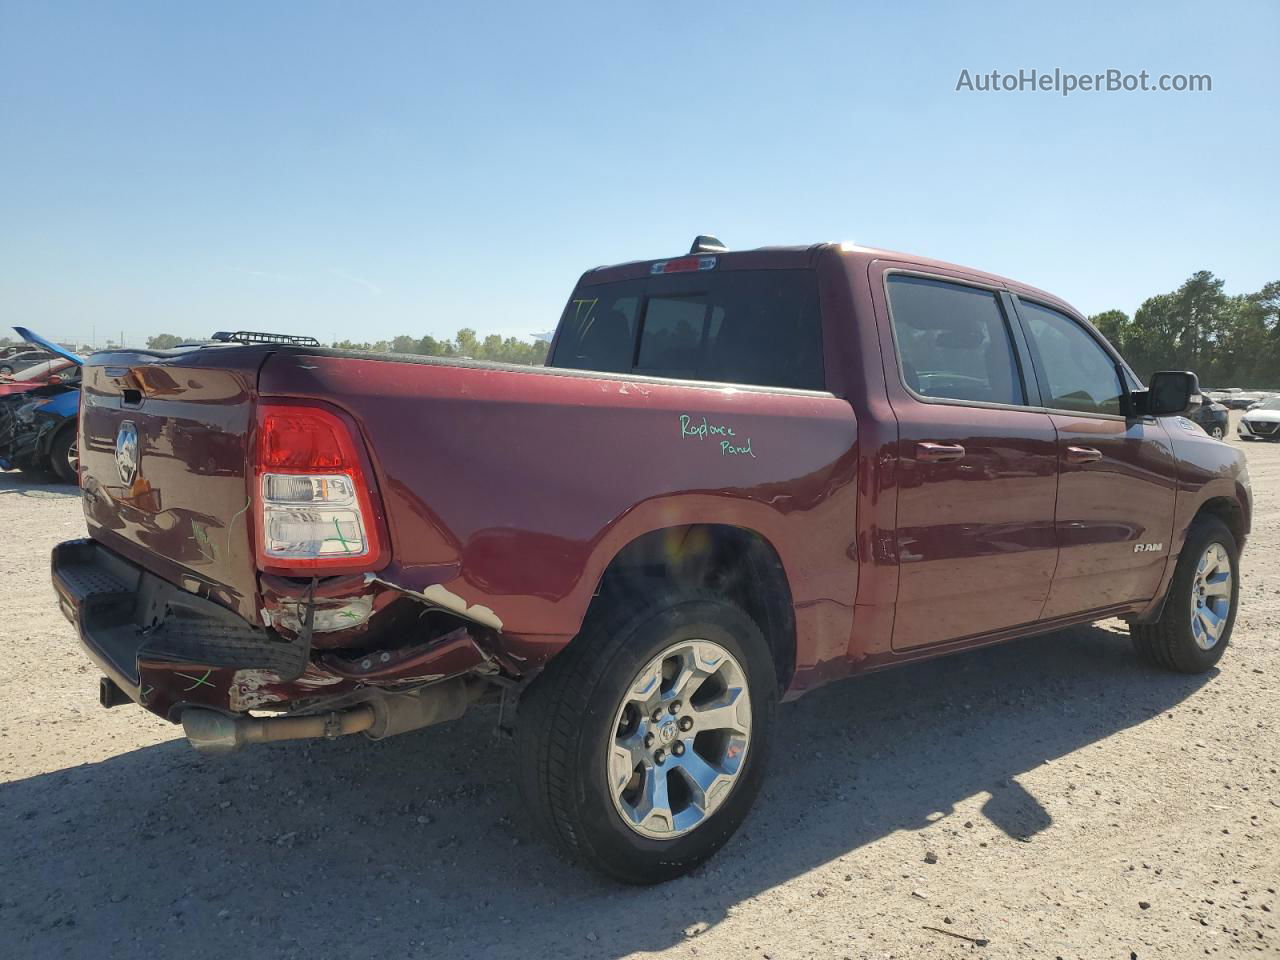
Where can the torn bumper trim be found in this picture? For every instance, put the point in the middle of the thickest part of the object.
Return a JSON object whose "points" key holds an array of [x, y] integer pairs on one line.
{"points": [[437, 596], [170, 650], [454, 653]]}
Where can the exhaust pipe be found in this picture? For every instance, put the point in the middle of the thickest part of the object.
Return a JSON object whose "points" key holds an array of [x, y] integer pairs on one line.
{"points": [[386, 715], [110, 695], [212, 732]]}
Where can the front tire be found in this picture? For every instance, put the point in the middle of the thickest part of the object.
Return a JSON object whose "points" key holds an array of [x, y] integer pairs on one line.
{"points": [[1200, 608], [642, 746], [64, 456]]}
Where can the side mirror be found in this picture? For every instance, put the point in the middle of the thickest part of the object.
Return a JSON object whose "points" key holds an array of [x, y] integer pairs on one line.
{"points": [[1168, 393]]}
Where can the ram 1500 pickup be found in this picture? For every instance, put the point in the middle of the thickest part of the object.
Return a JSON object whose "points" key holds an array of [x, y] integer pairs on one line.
{"points": [[740, 475]]}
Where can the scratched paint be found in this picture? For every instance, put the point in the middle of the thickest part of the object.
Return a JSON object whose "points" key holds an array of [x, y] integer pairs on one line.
{"points": [[250, 689], [313, 677], [439, 596], [451, 601]]}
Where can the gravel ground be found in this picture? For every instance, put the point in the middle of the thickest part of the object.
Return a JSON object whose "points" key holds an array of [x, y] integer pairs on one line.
{"points": [[1048, 798]]}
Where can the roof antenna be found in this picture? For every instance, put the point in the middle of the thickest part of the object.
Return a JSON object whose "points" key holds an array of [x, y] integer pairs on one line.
{"points": [[704, 243]]}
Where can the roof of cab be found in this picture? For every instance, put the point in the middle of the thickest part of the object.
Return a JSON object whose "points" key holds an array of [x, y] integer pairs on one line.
{"points": [[799, 257], [871, 254], [760, 258]]}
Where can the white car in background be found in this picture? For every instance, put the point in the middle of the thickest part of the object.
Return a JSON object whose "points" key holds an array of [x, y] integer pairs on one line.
{"points": [[1261, 421]]}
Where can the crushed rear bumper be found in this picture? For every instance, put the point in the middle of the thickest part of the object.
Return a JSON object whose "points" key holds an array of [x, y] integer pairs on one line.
{"points": [[169, 649], [133, 624]]}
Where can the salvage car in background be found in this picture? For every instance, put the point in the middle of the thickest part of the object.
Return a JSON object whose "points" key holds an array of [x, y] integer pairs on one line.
{"points": [[49, 371], [1261, 422], [1213, 418], [38, 421], [17, 362]]}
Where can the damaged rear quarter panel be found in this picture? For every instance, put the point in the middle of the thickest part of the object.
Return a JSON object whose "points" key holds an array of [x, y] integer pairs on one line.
{"points": [[513, 489], [167, 687]]}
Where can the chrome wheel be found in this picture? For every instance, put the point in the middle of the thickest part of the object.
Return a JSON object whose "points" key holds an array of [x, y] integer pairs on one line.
{"points": [[73, 458], [1211, 596], [1217, 433], [680, 737]]}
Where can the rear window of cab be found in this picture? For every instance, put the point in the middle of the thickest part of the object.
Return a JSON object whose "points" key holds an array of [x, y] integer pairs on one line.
{"points": [[758, 327]]}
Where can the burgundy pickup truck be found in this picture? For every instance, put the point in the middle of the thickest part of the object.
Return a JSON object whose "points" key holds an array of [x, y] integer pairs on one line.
{"points": [[740, 475]]}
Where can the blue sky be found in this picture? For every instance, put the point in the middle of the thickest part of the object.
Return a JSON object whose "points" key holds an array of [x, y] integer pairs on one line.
{"points": [[364, 170]]}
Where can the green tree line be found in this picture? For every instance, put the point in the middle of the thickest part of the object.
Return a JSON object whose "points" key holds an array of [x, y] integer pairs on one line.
{"points": [[466, 343], [1228, 341]]}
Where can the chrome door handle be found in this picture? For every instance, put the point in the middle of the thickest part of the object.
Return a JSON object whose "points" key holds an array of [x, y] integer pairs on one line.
{"points": [[1083, 455], [931, 452]]}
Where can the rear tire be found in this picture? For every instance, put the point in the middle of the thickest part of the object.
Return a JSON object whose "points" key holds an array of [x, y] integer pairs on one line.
{"points": [[611, 754], [1200, 608]]}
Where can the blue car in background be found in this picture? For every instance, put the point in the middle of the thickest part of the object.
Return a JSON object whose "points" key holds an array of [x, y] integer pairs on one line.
{"points": [[38, 426]]}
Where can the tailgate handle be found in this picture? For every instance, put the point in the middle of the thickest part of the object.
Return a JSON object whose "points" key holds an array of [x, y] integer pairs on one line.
{"points": [[1083, 455], [931, 452], [131, 397]]}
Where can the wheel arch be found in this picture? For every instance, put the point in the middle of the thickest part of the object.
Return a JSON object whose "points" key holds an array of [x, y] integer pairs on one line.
{"points": [[70, 424], [736, 562], [1229, 511]]}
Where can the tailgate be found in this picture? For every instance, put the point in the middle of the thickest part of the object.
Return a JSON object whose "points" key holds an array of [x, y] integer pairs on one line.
{"points": [[163, 463]]}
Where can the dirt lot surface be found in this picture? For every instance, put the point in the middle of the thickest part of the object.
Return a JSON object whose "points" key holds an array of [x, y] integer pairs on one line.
{"points": [[1049, 798]]}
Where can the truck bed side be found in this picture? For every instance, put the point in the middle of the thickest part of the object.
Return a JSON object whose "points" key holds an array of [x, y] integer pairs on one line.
{"points": [[514, 489]]}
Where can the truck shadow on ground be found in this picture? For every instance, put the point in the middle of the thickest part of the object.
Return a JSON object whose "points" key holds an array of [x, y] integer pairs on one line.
{"points": [[415, 846]]}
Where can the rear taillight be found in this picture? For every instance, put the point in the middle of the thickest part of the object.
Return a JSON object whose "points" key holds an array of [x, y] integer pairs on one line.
{"points": [[314, 500]]}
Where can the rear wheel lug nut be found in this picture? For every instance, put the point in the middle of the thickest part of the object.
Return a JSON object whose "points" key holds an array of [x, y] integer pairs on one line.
{"points": [[686, 723], [678, 748], [656, 716], [675, 706], [659, 756], [648, 739]]}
